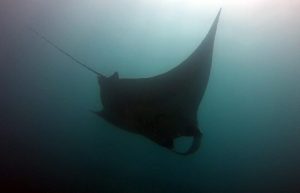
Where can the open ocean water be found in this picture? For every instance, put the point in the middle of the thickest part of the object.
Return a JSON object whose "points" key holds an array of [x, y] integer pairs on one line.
{"points": [[50, 142]]}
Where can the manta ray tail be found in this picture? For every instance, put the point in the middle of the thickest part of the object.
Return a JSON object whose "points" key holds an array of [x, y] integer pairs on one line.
{"points": [[63, 51]]}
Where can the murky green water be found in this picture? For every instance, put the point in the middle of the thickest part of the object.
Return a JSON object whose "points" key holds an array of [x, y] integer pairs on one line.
{"points": [[51, 142]]}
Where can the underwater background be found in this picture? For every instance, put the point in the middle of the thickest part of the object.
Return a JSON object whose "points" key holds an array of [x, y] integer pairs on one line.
{"points": [[250, 115]]}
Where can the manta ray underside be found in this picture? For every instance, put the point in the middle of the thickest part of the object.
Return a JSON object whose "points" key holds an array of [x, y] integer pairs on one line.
{"points": [[161, 108]]}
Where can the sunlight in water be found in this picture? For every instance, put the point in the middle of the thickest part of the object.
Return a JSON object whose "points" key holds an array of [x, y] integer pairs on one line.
{"points": [[237, 5]]}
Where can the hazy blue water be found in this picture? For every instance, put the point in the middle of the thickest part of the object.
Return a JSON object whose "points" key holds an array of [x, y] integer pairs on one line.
{"points": [[50, 142]]}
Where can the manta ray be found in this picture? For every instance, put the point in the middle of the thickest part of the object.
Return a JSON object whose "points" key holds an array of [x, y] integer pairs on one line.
{"points": [[163, 107]]}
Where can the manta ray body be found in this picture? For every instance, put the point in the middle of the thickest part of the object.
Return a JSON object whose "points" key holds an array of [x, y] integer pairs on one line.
{"points": [[164, 107]]}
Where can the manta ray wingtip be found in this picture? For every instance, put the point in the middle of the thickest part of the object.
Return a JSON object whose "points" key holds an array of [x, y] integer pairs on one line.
{"points": [[219, 12]]}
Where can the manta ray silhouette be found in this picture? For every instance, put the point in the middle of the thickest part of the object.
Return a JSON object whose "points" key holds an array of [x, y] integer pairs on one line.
{"points": [[161, 108]]}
